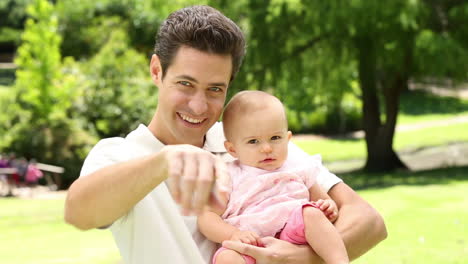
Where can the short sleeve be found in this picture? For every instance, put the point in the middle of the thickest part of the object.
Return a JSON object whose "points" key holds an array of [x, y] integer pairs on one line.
{"points": [[323, 176], [106, 152]]}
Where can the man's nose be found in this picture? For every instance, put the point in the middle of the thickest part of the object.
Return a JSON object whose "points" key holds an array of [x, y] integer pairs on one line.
{"points": [[198, 103]]}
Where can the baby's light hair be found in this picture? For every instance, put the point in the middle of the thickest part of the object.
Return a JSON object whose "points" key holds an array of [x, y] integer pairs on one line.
{"points": [[246, 102]]}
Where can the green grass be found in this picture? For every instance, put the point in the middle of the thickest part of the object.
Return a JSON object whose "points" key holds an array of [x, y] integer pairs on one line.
{"points": [[33, 231], [426, 224], [343, 149]]}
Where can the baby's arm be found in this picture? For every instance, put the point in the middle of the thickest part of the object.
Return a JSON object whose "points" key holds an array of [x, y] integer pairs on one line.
{"points": [[324, 201], [215, 229]]}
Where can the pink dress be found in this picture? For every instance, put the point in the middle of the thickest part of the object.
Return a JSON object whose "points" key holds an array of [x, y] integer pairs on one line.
{"points": [[262, 201]]}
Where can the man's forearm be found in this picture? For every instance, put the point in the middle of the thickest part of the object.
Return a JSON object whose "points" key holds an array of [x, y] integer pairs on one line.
{"points": [[360, 225], [98, 199]]}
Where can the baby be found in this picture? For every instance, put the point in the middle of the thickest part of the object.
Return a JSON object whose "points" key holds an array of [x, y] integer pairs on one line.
{"points": [[271, 192]]}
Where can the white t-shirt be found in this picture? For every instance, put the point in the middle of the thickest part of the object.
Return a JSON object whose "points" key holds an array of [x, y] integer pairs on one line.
{"points": [[154, 231]]}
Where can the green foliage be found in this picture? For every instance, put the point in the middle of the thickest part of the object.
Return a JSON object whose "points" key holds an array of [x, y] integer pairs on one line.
{"points": [[118, 93], [87, 24], [13, 14], [424, 103], [433, 51], [287, 56], [38, 122], [38, 71]]}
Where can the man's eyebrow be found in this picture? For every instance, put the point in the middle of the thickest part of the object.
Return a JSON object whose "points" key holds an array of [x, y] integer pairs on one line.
{"points": [[190, 78], [187, 77]]}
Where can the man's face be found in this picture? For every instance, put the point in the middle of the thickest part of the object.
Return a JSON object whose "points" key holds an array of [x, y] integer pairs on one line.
{"points": [[260, 139], [191, 95]]}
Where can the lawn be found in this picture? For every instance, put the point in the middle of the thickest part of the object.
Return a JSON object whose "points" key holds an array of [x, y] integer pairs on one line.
{"points": [[33, 231], [425, 213], [426, 224]]}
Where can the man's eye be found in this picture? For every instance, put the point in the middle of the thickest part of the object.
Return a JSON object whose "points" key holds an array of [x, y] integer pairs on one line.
{"points": [[252, 141], [184, 83], [215, 89], [275, 138]]}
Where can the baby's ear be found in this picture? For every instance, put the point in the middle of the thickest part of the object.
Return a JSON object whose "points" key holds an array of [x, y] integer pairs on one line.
{"points": [[289, 135], [230, 148]]}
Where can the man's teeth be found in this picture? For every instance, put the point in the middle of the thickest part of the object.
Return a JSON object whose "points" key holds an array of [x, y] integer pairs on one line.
{"points": [[191, 120]]}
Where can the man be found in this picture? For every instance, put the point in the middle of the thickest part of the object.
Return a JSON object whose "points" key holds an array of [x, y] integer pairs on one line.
{"points": [[198, 53]]}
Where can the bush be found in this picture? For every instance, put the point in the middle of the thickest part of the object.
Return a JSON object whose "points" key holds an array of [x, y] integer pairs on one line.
{"points": [[327, 119], [118, 92]]}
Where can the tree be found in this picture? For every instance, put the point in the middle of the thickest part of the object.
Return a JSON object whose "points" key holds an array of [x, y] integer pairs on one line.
{"points": [[280, 59], [40, 121], [386, 43], [39, 63], [85, 24], [389, 39]]}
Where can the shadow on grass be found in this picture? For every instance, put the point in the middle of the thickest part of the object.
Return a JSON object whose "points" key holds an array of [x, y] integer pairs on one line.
{"points": [[422, 103], [360, 180]]}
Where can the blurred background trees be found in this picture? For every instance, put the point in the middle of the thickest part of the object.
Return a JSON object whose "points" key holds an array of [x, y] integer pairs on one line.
{"points": [[339, 66]]}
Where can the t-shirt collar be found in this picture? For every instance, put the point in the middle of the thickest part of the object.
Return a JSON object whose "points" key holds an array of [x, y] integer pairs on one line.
{"points": [[214, 139]]}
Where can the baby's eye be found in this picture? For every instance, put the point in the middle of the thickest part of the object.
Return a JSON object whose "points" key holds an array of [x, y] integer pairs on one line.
{"points": [[252, 141], [275, 137]]}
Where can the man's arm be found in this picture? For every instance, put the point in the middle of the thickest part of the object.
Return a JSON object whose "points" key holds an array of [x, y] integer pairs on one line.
{"points": [[98, 199], [107, 194], [360, 226]]}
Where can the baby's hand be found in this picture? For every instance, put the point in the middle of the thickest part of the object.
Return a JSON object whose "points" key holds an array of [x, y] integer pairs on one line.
{"points": [[247, 237], [329, 208]]}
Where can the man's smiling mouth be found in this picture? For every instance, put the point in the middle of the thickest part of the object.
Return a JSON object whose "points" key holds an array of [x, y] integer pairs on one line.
{"points": [[189, 119]]}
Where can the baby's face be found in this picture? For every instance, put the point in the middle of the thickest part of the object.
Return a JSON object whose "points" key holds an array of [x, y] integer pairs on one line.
{"points": [[261, 139]]}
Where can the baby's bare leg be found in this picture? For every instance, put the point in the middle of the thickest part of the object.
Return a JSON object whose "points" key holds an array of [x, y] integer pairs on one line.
{"points": [[229, 256], [323, 237]]}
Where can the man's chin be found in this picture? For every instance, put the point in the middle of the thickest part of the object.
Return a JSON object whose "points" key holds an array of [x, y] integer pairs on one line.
{"points": [[193, 136]]}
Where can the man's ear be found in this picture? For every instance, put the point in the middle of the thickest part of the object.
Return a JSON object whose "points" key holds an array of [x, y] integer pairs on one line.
{"points": [[289, 135], [230, 148], [156, 70]]}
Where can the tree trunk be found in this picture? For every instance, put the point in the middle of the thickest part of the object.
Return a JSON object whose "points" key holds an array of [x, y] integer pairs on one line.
{"points": [[378, 136]]}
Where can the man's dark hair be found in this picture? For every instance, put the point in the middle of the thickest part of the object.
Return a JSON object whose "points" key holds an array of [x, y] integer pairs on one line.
{"points": [[203, 28]]}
